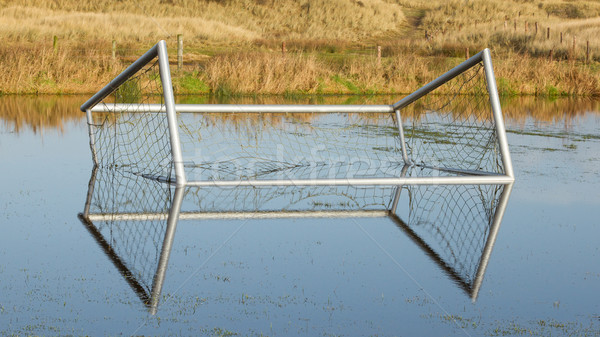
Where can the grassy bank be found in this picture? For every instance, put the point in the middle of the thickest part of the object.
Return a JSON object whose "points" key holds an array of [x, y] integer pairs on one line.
{"points": [[234, 46]]}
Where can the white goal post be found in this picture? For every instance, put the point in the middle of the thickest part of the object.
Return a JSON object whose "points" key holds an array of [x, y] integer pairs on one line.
{"points": [[455, 138]]}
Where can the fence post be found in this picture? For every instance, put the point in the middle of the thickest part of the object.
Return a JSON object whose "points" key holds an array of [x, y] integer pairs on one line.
{"points": [[55, 43], [114, 50], [179, 51], [283, 48], [574, 42], [561, 36], [587, 51], [548, 33], [467, 52], [378, 55]]}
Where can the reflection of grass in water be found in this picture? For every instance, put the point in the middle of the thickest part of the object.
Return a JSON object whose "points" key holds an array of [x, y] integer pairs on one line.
{"points": [[386, 149], [577, 137]]}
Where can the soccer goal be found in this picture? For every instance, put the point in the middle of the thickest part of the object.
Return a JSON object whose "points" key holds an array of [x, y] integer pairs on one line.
{"points": [[457, 137]]}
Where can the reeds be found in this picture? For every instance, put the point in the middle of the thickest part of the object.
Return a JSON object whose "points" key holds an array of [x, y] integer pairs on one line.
{"points": [[39, 68], [235, 46]]}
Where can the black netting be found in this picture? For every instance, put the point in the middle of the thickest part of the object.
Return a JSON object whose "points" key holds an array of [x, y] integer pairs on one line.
{"points": [[456, 129], [246, 146], [289, 198], [132, 138]]}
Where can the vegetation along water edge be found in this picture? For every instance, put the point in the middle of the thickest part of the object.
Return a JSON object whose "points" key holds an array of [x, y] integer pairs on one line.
{"points": [[249, 47]]}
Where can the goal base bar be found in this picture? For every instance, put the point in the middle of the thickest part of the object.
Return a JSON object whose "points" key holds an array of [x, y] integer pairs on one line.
{"points": [[462, 180]]}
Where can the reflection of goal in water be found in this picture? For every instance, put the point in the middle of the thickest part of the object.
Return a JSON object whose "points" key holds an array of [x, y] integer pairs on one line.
{"points": [[447, 154], [134, 219]]}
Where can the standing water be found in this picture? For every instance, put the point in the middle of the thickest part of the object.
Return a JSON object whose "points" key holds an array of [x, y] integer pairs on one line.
{"points": [[298, 276]]}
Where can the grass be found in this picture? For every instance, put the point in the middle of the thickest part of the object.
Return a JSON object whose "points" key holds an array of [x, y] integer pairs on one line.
{"points": [[233, 47]]}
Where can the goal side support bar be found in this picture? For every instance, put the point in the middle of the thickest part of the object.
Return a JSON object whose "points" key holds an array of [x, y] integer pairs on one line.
{"points": [[158, 50], [484, 57]]}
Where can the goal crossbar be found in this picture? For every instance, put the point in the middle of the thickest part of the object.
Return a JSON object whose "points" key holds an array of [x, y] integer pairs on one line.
{"points": [[253, 108]]}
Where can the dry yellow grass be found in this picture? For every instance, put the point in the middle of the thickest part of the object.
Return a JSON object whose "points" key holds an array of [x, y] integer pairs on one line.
{"points": [[510, 25], [37, 68], [233, 20], [232, 45]]}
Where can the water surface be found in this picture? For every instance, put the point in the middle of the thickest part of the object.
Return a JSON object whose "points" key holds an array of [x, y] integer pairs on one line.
{"points": [[300, 276]]}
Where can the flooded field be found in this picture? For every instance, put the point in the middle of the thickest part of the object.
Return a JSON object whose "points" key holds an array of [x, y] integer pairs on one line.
{"points": [[343, 275]]}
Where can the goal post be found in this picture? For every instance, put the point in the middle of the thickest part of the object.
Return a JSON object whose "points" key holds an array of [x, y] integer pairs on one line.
{"points": [[456, 136], [157, 53], [484, 59]]}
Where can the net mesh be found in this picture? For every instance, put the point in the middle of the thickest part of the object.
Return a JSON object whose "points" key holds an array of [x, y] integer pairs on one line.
{"points": [[123, 210], [453, 223], [455, 130], [288, 199], [134, 139], [246, 146]]}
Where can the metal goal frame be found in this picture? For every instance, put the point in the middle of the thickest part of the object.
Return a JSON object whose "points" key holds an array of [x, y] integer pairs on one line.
{"points": [[181, 179]]}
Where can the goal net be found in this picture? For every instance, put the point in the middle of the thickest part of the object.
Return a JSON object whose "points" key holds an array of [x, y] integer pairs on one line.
{"points": [[457, 136]]}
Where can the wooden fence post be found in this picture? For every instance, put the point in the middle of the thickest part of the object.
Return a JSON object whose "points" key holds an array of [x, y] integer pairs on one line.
{"points": [[587, 51], [548, 33], [574, 43], [467, 52], [179, 51], [561, 36], [55, 43]]}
